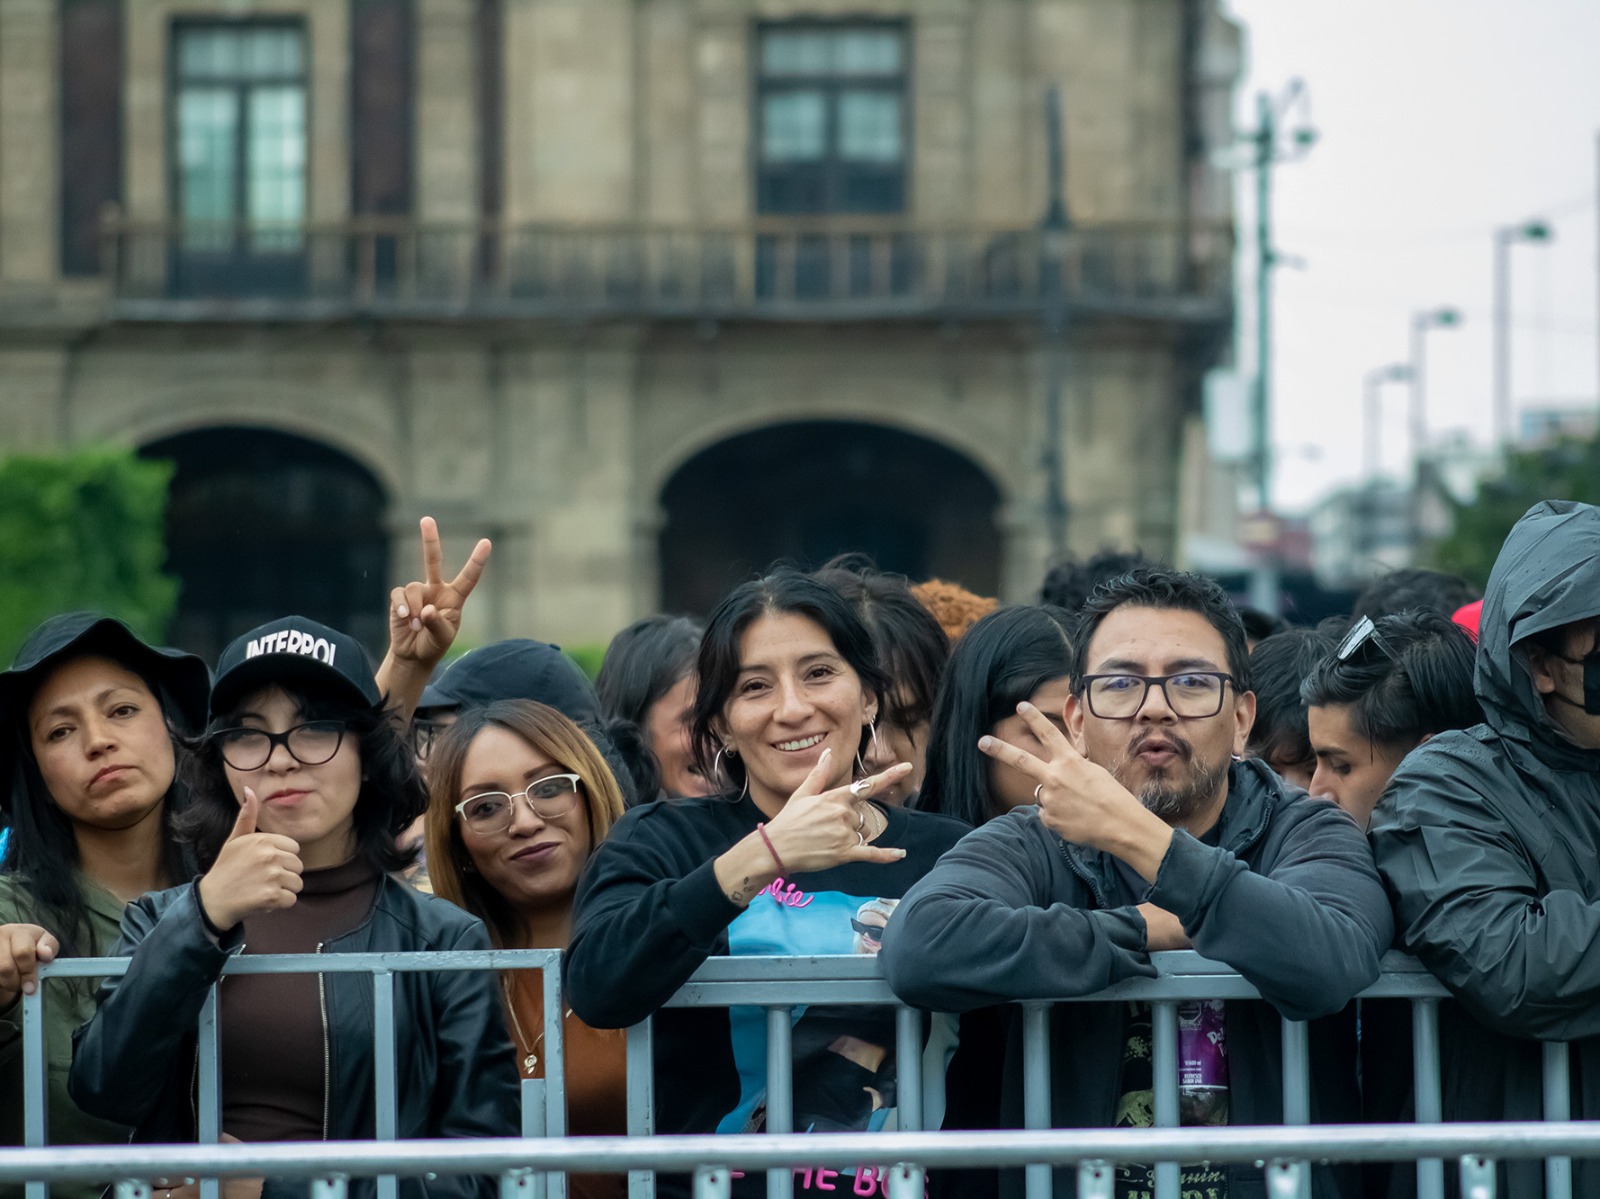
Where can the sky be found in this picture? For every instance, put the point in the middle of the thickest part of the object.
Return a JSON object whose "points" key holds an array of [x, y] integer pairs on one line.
{"points": [[1438, 121]]}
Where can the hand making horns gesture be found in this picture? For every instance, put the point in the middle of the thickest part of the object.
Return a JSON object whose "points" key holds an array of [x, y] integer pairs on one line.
{"points": [[821, 828], [424, 617]]}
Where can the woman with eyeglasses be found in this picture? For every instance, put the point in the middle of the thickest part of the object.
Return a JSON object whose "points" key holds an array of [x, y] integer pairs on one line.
{"points": [[793, 854], [1390, 685], [300, 785], [519, 798]]}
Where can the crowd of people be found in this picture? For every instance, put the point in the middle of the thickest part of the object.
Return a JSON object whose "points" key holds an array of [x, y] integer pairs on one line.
{"points": [[1002, 802]]}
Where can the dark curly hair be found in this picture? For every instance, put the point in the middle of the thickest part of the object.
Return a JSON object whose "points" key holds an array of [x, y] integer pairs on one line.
{"points": [[392, 794], [1176, 590]]}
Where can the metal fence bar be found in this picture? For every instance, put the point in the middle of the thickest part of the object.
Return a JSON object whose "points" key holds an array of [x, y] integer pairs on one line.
{"points": [[1096, 1180], [641, 1076], [1557, 1109], [780, 1092], [1297, 1094], [533, 1125], [383, 1067], [1521, 1141], [1036, 1113], [1164, 1072], [35, 1088], [331, 1187], [1427, 1091], [908, 1067], [1478, 1179], [208, 1101], [555, 1070]]}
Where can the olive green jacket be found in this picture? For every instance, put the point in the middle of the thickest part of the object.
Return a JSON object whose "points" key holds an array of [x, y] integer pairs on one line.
{"points": [[67, 1004]]}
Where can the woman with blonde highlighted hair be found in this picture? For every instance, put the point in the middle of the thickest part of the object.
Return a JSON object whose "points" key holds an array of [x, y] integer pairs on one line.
{"points": [[519, 798]]}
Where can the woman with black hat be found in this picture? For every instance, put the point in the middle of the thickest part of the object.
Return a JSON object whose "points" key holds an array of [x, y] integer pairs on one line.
{"points": [[87, 713], [300, 785]]}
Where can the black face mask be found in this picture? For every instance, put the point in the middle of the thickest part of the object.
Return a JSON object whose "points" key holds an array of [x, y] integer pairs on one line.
{"points": [[1591, 683]]}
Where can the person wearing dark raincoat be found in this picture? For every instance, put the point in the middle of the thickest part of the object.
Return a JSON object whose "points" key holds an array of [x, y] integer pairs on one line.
{"points": [[1488, 841]]}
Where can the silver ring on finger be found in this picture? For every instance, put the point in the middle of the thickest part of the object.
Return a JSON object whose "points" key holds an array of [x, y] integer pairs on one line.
{"points": [[861, 819], [860, 787], [861, 838], [1036, 792]]}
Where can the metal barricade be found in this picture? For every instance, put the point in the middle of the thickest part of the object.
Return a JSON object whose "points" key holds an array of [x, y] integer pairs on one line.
{"points": [[778, 985]]}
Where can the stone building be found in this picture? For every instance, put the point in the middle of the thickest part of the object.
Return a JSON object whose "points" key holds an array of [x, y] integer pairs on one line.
{"points": [[650, 291]]}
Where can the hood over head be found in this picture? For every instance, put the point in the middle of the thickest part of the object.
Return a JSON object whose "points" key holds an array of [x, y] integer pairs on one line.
{"points": [[1547, 575]]}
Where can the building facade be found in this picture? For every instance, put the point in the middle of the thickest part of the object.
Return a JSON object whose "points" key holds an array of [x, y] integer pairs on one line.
{"points": [[649, 291]]}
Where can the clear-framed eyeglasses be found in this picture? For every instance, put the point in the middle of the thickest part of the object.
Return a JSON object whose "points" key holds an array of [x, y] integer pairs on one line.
{"points": [[423, 734], [1191, 694], [494, 811], [310, 744]]}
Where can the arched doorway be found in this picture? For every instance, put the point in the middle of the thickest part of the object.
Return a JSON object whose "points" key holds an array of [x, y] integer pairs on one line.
{"points": [[262, 524], [806, 491]]}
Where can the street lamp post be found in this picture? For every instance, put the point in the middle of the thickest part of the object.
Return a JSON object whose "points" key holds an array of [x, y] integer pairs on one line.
{"points": [[1372, 415], [1504, 239], [1053, 233], [1421, 322]]}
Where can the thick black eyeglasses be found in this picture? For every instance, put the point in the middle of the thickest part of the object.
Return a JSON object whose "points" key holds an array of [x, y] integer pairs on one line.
{"points": [[1191, 694], [310, 744], [1363, 633]]}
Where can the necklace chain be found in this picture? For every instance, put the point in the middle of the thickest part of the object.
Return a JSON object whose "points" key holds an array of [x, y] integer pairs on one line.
{"points": [[530, 1053]]}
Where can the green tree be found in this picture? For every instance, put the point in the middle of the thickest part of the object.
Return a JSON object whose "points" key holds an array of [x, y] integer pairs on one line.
{"points": [[83, 530], [1568, 469]]}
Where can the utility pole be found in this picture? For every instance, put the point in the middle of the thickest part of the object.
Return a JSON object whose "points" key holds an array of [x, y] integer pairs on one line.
{"points": [[1504, 238], [1053, 233], [1417, 414], [1266, 152]]}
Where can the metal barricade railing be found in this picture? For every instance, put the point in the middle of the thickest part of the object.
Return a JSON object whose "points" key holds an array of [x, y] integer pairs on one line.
{"points": [[778, 985]]}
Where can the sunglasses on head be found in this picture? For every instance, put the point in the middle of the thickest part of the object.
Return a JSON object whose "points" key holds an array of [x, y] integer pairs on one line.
{"points": [[1363, 633]]}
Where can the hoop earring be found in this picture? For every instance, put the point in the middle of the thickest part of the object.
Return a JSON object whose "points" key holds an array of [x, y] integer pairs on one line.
{"points": [[716, 767], [872, 730]]}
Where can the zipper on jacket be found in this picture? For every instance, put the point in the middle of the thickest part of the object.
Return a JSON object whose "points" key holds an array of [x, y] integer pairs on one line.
{"points": [[327, 1054], [1083, 873]]}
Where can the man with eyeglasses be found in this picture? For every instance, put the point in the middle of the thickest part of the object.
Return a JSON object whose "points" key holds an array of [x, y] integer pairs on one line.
{"points": [[1489, 841], [1151, 833]]}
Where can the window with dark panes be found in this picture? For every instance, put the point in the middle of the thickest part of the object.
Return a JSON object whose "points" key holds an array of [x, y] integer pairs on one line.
{"points": [[239, 124], [832, 118]]}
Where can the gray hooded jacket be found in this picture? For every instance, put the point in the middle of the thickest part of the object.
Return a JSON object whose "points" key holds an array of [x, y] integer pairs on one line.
{"points": [[1489, 843]]}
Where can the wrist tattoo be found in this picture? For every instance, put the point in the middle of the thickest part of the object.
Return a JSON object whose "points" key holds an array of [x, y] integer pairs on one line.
{"points": [[744, 892]]}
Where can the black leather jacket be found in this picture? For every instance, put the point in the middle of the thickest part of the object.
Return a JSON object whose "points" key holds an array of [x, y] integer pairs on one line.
{"points": [[134, 1062]]}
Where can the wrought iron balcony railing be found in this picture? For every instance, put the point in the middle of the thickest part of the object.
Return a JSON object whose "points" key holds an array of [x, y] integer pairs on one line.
{"points": [[799, 269]]}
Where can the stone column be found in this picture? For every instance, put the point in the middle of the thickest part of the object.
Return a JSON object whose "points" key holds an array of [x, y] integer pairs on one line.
{"points": [[29, 136]]}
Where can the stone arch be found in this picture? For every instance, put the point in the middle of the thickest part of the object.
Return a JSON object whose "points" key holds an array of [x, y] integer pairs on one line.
{"points": [[262, 523], [806, 490]]}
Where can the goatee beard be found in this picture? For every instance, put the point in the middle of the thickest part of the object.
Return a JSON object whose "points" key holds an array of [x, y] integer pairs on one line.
{"points": [[1174, 802]]}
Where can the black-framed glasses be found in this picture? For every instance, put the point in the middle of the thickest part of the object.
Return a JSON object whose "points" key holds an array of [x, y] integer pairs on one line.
{"points": [[1191, 694], [310, 744], [423, 734], [870, 932], [493, 811], [1363, 633]]}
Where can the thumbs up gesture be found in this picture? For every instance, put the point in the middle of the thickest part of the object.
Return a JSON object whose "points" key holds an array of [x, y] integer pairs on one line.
{"points": [[254, 873]]}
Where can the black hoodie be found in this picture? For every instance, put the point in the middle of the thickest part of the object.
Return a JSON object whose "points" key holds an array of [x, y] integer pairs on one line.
{"points": [[1489, 843]]}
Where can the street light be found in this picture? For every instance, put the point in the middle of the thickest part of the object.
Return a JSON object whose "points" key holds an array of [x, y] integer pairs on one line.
{"points": [[1504, 238], [1372, 414], [1421, 322]]}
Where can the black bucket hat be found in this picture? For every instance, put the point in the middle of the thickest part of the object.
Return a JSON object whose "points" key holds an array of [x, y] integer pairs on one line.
{"points": [[293, 647], [181, 678]]}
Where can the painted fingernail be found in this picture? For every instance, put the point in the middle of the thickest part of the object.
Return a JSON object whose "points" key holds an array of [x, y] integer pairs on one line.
{"points": [[985, 742], [416, 626], [402, 611], [1024, 706]]}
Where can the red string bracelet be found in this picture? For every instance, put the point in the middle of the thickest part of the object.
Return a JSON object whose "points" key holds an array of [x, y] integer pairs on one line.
{"points": [[762, 829]]}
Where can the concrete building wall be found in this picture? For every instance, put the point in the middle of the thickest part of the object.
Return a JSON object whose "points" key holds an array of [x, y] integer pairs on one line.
{"points": [[556, 437]]}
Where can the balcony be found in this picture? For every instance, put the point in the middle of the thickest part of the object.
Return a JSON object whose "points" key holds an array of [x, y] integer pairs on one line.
{"points": [[789, 270]]}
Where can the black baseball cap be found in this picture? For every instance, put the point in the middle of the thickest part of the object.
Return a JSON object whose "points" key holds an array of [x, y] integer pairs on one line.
{"points": [[293, 647], [520, 668]]}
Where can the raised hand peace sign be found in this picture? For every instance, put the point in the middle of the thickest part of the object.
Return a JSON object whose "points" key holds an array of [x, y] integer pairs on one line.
{"points": [[425, 616], [1081, 800]]}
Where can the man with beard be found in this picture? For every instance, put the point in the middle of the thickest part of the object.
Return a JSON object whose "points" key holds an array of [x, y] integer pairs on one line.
{"points": [[1150, 833]]}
